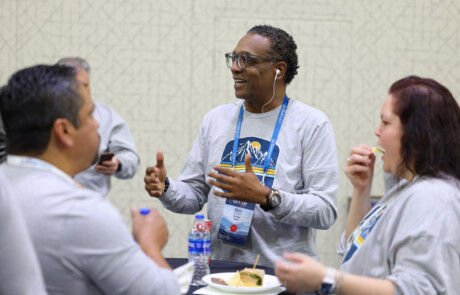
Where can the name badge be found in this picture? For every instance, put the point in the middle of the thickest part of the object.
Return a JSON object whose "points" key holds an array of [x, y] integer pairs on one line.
{"points": [[236, 221]]}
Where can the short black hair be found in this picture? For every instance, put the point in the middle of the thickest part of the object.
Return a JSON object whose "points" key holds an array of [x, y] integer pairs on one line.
{"points": [[283, 47], [32, 100]]}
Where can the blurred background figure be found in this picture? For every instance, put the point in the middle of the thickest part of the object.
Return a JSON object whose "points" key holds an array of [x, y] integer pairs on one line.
{"points": [[408, 242], [115, 137], [2, 142]]}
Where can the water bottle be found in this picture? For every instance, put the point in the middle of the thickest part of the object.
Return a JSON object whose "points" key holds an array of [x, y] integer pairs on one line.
{"points": [[209, 224], [199, 246]]}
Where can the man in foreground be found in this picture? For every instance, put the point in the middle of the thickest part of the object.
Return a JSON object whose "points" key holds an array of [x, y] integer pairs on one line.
{"points": [[20, 272], [82, 242]]}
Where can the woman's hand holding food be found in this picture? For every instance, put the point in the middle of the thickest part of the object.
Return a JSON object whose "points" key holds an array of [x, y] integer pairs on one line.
{"points": [[360, 171], [360, 167]]}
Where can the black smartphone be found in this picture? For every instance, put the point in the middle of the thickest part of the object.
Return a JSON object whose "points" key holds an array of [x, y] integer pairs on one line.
{"points": [[107, 156]]}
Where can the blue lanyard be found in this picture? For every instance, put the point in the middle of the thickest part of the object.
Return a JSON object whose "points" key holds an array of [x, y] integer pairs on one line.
{"points": [[279, 121]]}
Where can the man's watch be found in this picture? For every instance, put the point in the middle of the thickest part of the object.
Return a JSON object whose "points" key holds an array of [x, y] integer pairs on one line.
{"points": [[166, 185], [273, 200]]}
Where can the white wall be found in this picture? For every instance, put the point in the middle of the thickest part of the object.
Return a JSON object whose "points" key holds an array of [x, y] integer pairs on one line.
{"points": [[161, 65]]}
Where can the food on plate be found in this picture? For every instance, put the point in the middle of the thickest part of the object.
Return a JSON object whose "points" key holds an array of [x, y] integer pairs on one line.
{"points": [[253, 276], [247, 277], [235, 281], [377, 149], [219, 281]]}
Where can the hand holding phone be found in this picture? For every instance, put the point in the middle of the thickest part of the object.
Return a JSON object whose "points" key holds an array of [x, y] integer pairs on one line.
{"points": [[107, 156]]}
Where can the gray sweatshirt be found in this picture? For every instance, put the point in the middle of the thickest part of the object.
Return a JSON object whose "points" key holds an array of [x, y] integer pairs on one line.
{"points": [[306, 175], [416, 241], [82, 242]]}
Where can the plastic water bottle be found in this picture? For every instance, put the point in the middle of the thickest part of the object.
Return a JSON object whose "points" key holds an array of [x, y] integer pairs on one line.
{"points": [[199, 246], [209, 224]]}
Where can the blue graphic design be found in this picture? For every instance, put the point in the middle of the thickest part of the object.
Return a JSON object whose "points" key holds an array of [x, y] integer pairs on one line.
{"points": [[365, 227], [257, 148]]}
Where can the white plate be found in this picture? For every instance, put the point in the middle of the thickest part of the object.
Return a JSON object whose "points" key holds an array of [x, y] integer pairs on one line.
{"points": [[270, 282]]}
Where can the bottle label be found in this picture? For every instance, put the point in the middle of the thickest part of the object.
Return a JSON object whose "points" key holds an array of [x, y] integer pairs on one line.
{"points": [[207, 247], [195, 246]]}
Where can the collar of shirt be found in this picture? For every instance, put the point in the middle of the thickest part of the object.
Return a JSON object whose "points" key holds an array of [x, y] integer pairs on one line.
{"points": [[35, 163]]}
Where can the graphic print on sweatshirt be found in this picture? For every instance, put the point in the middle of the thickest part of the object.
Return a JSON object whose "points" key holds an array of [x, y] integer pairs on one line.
{"points": [[258, 148], [237, 216]]}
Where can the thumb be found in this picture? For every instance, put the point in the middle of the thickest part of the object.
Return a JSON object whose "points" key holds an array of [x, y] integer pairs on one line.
{"points": [[247, 163], [160, 160]]}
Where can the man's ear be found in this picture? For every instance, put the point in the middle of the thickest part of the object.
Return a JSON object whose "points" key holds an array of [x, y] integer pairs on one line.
{"points": [[282, 67], [63, 130]]}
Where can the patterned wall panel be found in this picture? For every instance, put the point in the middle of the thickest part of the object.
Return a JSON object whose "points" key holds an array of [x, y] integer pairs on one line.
{"points": [[160, 64]]}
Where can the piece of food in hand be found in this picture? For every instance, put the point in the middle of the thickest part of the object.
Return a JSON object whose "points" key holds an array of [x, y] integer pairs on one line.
{"points": [[219, 281], [248, 277], [377, 149]]}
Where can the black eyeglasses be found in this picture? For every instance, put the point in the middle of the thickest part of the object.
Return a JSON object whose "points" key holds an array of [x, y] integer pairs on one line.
{"points": [[243, 59]]}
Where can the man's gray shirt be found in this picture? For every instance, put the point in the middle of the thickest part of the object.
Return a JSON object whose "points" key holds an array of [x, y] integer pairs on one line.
{"points": [[82, 242]]}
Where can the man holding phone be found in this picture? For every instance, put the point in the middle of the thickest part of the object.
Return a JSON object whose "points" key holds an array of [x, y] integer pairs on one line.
{"points": [[107, 156], [117, 152]]}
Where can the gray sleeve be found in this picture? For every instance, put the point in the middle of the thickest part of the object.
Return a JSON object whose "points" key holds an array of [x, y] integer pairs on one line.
{"points": [[426, 265], [121, 142], [190, 193], [314, 205], [424, 250], [109, 256], [19, 267]]}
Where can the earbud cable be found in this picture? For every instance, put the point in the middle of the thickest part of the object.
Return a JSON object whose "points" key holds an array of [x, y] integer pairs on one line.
{"points": [[274, 85]]}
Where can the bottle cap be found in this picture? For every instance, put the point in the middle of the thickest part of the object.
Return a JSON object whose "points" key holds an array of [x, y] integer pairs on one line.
{"points": [[199, 216], [144, 211]]}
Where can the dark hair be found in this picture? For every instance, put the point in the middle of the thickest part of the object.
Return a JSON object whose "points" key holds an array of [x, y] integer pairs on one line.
{"points": [[430, 118], [283, 47], [30, 103]]}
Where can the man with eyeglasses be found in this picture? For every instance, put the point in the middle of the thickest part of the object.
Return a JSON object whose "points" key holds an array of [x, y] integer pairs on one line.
{"points": [[266, 164]]}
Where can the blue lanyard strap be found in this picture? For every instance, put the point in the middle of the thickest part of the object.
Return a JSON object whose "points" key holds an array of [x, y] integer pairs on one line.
{"points": [[279, 121], [237, 137]]}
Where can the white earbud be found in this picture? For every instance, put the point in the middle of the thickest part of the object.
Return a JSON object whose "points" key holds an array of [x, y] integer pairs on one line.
{"points": [[274, 85]]}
